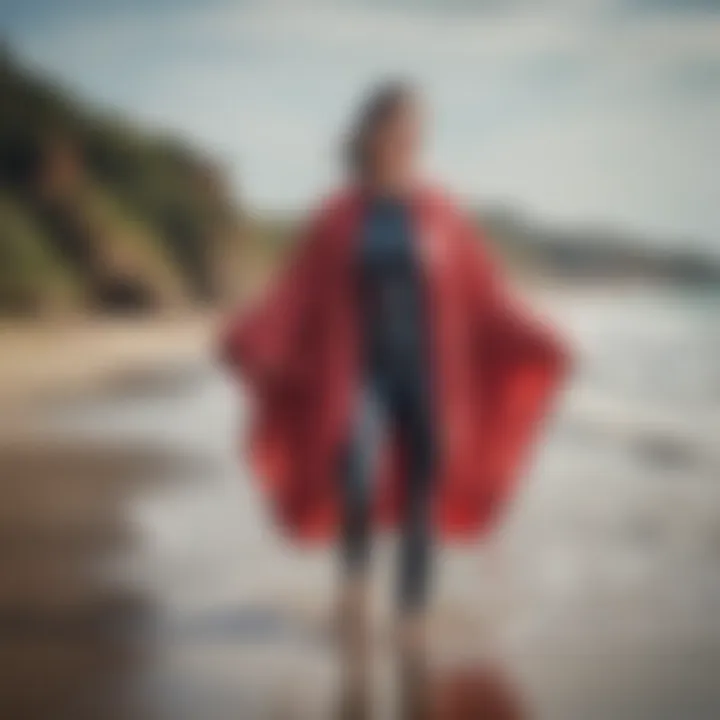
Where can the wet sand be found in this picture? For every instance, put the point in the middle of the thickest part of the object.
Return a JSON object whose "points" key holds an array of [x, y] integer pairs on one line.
{"points": [[141, 579]]}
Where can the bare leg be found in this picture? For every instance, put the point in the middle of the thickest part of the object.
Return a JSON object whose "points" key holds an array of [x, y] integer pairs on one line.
{"points": [[354, 649], [414, 691]]}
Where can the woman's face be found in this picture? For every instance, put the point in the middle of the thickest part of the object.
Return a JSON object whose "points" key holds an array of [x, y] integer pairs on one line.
{"points": [[397, 144]]}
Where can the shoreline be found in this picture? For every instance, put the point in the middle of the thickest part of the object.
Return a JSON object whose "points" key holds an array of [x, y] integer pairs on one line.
{"points": [[41, 361]]}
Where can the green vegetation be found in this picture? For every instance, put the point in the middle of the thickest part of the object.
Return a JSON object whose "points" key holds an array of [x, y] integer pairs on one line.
{"points": [[97, 214], [33, 278]]}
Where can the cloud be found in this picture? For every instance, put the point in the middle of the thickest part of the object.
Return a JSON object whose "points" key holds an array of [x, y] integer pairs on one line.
{"points": [[573, 108]]}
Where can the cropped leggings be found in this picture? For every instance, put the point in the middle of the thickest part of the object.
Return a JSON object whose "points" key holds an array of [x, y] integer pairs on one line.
{"points": [[391, 406]]}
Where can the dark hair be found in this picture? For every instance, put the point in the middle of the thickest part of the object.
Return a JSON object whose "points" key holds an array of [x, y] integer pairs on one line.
{"points": [[379, 107]]}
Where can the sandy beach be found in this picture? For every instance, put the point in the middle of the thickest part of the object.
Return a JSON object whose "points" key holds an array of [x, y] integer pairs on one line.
{"points": [[42, 360], [142, 577]]}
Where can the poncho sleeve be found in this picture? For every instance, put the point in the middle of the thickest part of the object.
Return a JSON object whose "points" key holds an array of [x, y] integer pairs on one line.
{"points": [[264, 343], [521, 362]]}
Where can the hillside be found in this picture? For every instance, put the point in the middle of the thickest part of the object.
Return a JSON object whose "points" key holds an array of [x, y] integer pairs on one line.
{"points": [[98, 215], [590, 253]]}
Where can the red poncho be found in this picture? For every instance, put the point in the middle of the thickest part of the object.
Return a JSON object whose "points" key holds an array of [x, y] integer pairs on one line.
{"points": [[493, 369]]}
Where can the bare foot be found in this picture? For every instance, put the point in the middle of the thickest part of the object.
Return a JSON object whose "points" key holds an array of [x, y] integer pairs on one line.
{"points": [[354, 702], [413, 675], [412, 631]]}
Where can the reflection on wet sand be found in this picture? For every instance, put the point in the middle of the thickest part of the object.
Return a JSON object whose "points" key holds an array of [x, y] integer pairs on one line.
{"points": [[468, 691], [85, 635], [73, 630], [474, 692]]}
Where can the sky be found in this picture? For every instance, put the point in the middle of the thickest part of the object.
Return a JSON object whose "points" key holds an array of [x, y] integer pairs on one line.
{"points": [[572, 111]]}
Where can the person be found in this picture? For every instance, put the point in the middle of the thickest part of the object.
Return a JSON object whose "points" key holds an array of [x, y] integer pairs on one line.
{"points": [[395, 379]]}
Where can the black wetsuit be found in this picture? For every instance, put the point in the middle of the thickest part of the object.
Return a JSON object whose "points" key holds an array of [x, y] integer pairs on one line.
{"points": [[395, 396]]}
